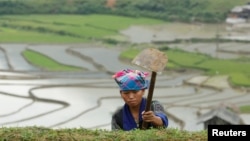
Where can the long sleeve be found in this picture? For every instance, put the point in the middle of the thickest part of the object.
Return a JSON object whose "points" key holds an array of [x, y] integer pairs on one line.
{"points": [[159, 111]]}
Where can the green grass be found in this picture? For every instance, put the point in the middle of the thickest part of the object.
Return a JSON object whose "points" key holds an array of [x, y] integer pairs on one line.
{"points": [[224, 5], [103, 21], [80, 134], [65, 28], [47, 63], [245, 109], [8, 35]]}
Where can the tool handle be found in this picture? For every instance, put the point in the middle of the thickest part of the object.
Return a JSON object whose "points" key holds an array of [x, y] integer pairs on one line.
{"points": [[149, 97]]}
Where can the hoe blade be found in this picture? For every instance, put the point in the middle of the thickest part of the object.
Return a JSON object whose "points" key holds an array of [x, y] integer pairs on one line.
{"points": [[151, 59]]}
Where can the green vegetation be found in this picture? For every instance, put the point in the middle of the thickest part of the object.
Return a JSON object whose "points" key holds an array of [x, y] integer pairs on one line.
{"points": [[65, 28], [245, 109], [168, 10], [45, 134], [47, 63]]}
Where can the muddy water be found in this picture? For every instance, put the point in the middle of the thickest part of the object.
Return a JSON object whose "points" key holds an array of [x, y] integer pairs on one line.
{"points": [[173, 31]]}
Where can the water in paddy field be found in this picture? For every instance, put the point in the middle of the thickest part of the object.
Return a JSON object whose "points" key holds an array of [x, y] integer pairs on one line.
{"points": [[172, 31]]}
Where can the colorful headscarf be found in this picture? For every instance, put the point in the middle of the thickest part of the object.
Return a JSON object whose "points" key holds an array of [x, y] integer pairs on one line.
{"points": [[128, 79]]}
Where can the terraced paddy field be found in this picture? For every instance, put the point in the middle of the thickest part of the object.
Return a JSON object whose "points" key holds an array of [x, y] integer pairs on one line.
{"points": [[31, 96], [87, 97]]}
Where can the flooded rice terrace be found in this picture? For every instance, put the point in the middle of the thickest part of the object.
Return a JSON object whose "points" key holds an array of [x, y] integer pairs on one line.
{"points": [[32, 97]]}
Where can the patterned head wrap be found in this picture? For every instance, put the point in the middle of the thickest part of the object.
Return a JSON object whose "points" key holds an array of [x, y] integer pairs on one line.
{"points": [[128, 79]]}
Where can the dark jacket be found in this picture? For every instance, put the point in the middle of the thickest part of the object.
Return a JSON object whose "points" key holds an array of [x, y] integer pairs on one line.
{"points": [[156, 107]]}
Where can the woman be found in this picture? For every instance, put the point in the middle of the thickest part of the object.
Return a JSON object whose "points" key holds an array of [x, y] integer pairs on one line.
{"points": [[132, 84]]}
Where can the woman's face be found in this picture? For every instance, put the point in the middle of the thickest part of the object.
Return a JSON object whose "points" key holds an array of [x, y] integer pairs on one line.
{"points": [[132, 98]]}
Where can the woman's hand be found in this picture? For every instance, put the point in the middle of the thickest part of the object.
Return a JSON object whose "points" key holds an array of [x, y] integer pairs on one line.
{"points": [[149, 116]]}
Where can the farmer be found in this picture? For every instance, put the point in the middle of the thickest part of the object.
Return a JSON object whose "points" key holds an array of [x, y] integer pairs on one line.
{"points": [[133, 84]]}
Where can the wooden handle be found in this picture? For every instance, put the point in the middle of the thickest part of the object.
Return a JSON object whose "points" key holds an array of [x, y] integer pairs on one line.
{"points": [[149, 97]]}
